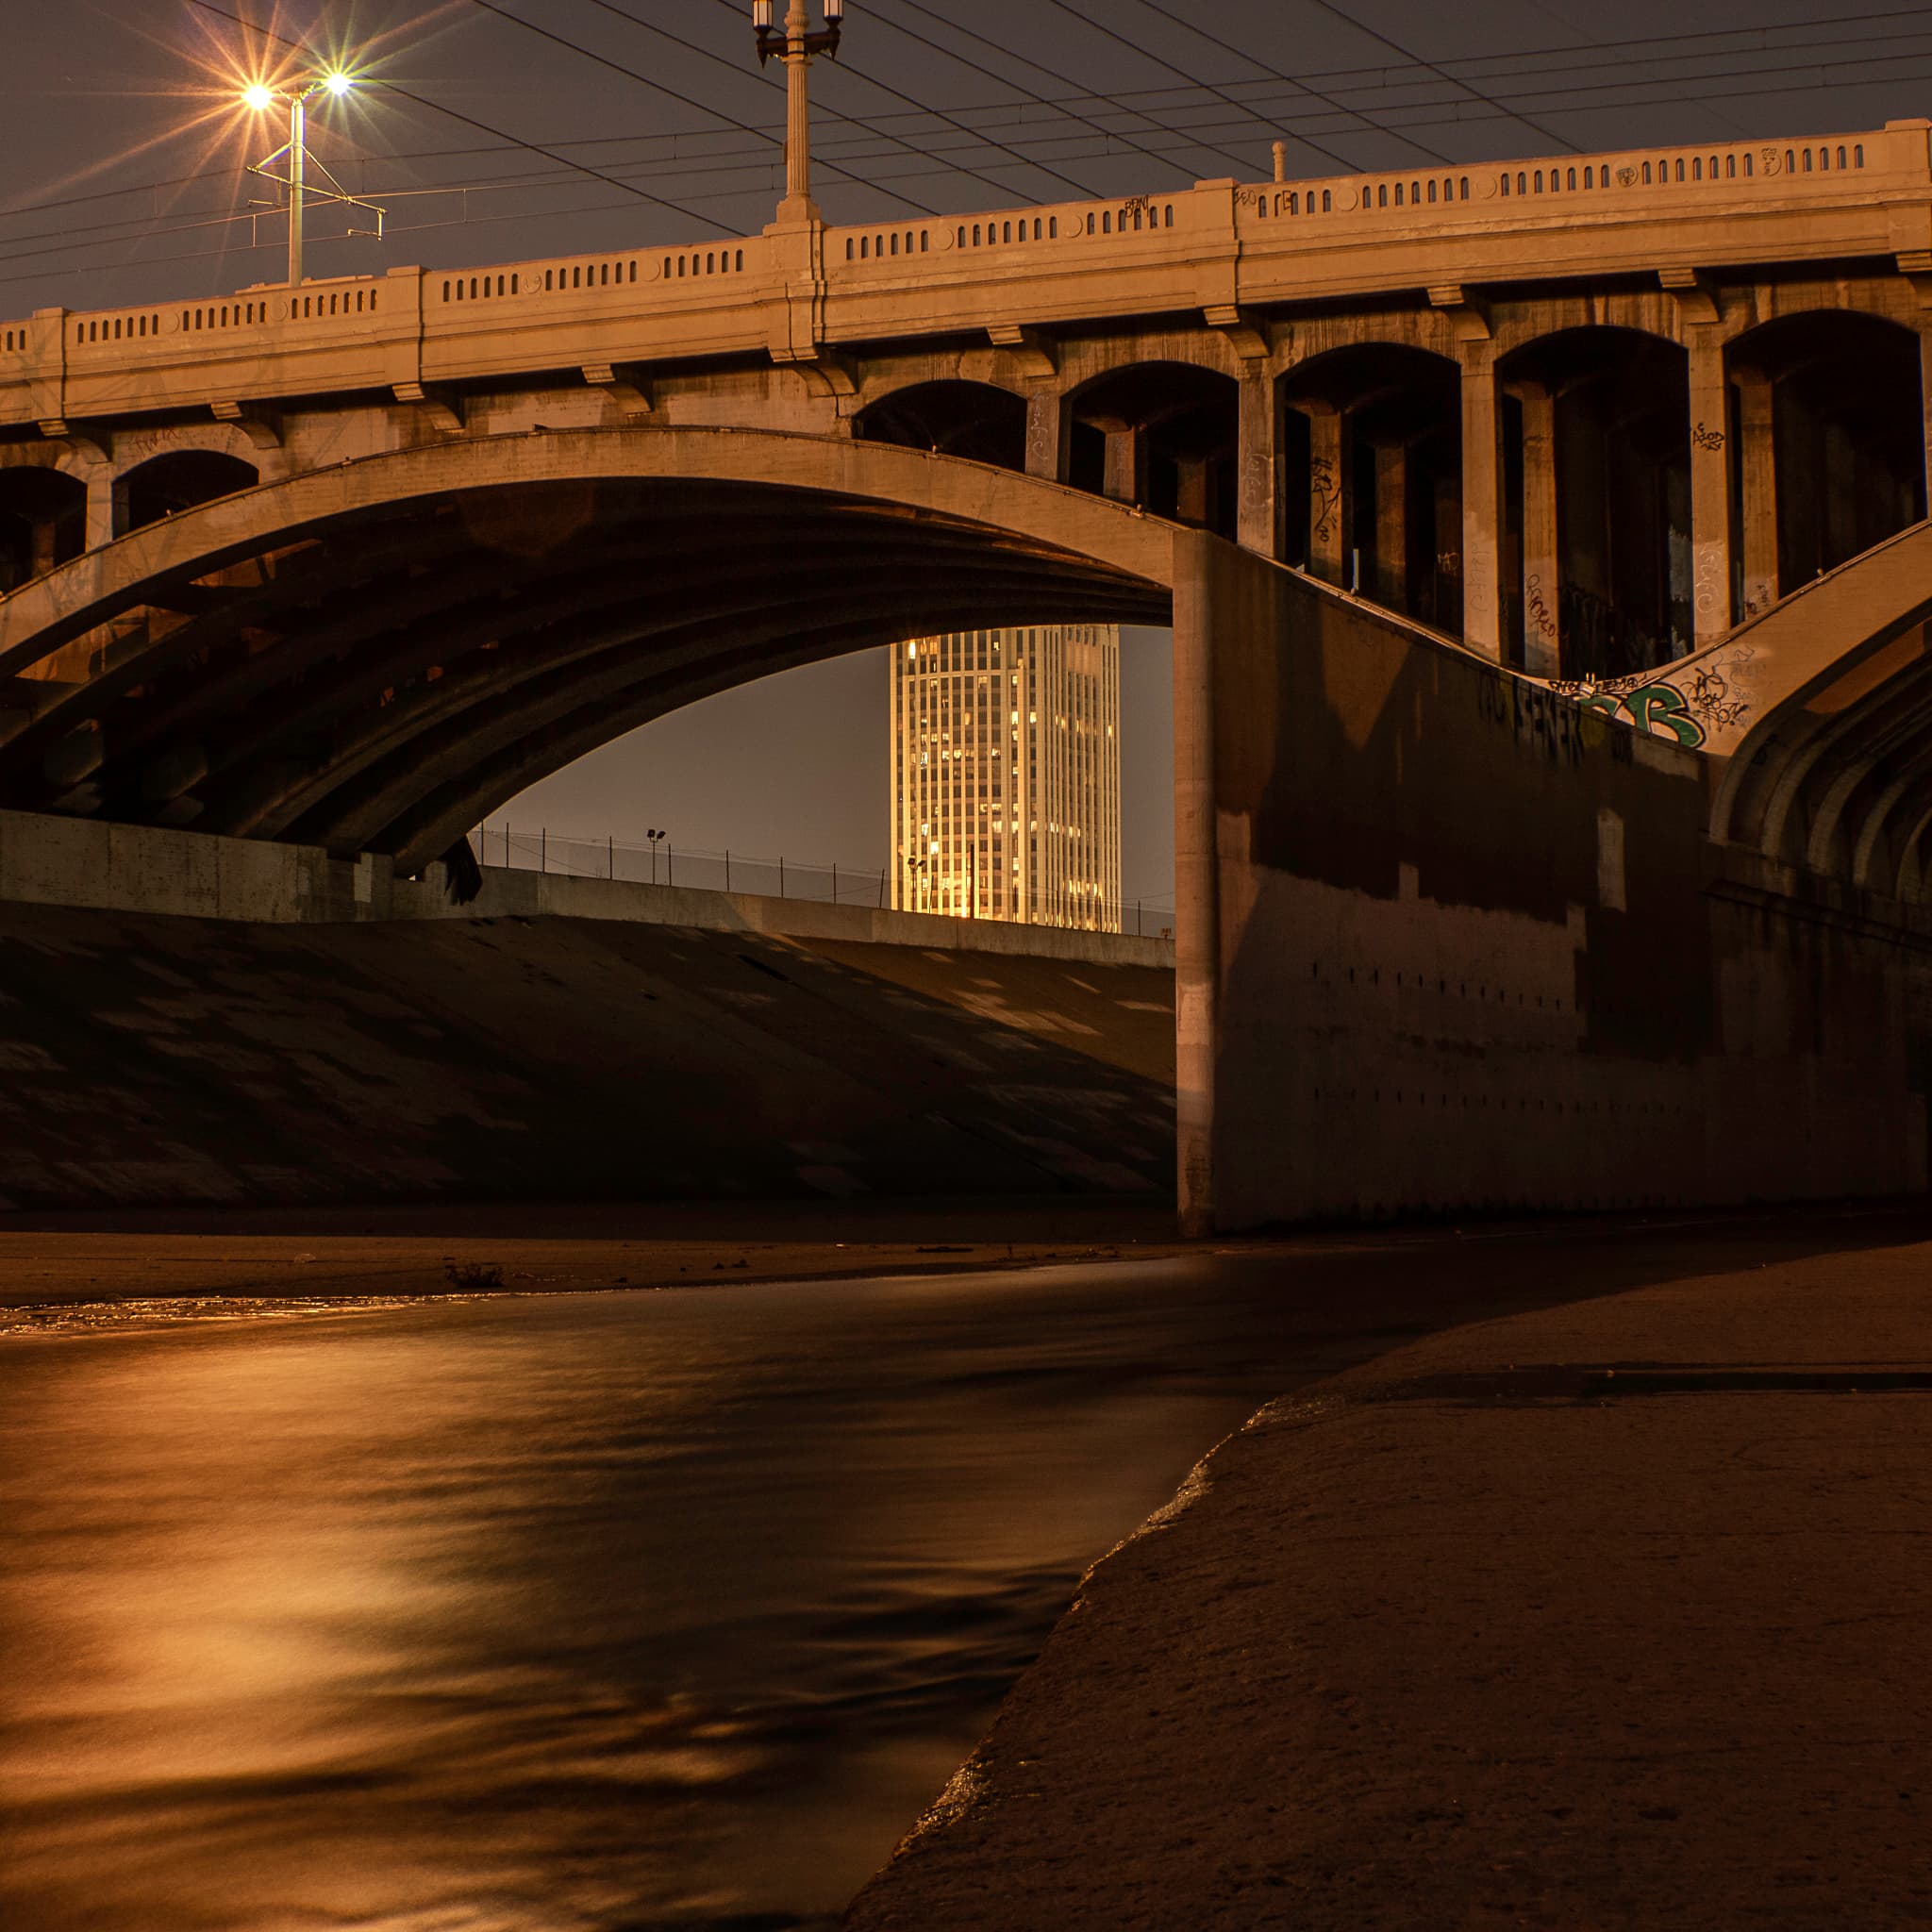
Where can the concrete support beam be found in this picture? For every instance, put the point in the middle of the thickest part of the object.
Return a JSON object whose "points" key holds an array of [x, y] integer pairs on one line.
{"points": [[1542, 567], [1758, 480], [1391, 527], [1032, 350], [1259, 510], [1331, 491], [1192, 503], [104, 498], [1125, 478], [1196, 886], [1926, 407], [1710, 487], [1049, 420], [1482, 500]]}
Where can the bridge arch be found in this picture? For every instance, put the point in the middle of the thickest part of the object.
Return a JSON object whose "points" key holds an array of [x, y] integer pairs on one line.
{"points": [[1164, 435], [1834, 772], [950, 417], [42, 522], [375, 655], [1372, 458], [1596, 442], [1828, 443], [175, 480]]}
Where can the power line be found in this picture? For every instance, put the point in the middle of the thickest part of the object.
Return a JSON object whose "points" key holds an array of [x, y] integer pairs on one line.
{"points": [[1327, 7], [1079, 187], [1160, 61], [1185, 134], [644, 80]]}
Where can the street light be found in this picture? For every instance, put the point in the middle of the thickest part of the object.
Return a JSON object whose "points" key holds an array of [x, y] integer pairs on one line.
{"points": [[797, 46], [657, 838], [259, 97]]}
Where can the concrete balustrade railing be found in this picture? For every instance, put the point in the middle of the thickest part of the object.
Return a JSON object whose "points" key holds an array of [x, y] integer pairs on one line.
{"points": [[1221, 243]]}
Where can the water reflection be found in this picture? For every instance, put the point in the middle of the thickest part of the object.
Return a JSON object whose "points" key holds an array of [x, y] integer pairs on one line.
{"points": [[601, 1611]]}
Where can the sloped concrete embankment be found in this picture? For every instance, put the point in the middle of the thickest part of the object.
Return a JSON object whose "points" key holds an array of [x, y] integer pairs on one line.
{"points": [[159, 1059], [1608, 1616]]}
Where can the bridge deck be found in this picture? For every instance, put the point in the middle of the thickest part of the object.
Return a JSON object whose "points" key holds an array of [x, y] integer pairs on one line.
{"points": [[1217, 247]]}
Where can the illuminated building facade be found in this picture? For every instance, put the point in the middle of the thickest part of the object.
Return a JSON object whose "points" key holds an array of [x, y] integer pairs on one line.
{"points": [[1007, 774]]}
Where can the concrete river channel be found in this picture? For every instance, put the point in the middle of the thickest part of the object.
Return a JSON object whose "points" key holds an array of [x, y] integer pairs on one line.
{"points": [[587, 1612]]}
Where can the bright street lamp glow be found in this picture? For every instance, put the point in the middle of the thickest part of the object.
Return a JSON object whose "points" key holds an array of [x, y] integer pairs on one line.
{"points": [[257, 97], [337, 84]]}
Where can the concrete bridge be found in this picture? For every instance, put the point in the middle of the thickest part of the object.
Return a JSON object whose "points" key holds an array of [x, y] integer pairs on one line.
{"points": [[1629, 440]]}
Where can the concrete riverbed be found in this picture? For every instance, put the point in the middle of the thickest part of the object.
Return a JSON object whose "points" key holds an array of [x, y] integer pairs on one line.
{"points": [[350, 1603]]}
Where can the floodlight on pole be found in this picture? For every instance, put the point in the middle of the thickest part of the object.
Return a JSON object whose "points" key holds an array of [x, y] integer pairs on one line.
{"points": [[260, 97], [797, 46]]}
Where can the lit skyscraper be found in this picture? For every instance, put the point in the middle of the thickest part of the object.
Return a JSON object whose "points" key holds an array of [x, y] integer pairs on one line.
{"points": [[1007, 774]]}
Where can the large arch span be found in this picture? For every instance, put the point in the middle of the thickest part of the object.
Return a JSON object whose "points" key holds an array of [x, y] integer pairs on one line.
{"points": [[374, 657]]}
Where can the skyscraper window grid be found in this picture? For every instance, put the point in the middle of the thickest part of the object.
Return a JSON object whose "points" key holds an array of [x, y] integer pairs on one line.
{"points": [[1005, 774]]}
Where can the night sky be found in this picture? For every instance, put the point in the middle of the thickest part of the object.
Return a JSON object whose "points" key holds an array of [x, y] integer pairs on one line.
{"points": [[121, 153]]}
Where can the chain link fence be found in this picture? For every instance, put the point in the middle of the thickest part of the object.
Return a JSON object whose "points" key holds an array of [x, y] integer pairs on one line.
{"points": [[661, 862]]}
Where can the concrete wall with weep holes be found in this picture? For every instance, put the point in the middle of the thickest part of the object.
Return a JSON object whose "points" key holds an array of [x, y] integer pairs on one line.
{"points": [[151, 869], [1462, 946]]}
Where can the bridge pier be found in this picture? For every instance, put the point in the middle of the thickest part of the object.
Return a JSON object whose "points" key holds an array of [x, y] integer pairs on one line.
{"points": [[1331, 490], [1259, 510], [1757, 487], [1049, 423], [1196, 881], [1543, 566], [1482, 500], [1711, 486]]}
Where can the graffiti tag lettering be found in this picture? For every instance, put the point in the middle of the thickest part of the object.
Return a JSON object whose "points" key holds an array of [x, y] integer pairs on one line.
{"points": [[1707, 438]]}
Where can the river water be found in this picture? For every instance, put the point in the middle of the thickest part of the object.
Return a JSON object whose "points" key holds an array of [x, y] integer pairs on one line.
{"points": [[588, 1611]]}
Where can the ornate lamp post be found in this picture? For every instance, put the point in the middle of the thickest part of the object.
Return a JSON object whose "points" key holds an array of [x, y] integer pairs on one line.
{"points": [[797, 46], [298, 159]]}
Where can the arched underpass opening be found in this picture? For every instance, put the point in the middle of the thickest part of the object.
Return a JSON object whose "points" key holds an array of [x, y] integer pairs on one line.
{"points": [[956, 419], [1597, 487], [381, 681], [1827, 447], [1164, 436], [164, 485], [43, 523], [1375, 476]]}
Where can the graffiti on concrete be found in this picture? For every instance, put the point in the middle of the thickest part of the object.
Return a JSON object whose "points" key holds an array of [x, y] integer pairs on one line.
{"points": [[1719, 686], [1325, 499], [1532, 715], [1537, 605], [1688, 703], [1707, 438], [1640, 700]]}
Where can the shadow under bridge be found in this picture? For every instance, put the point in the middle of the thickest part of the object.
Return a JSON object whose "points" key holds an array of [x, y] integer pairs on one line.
{"points": [[374, 657]]}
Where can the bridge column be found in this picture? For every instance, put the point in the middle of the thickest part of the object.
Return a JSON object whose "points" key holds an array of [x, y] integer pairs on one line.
{"points": [[1125, 478], [1258, 511], [1757, 487], [1482, 500], [1196, 886], [1331, 490], [1391, 525], [1048, 416], [1543, 566], [1710, 488], [1190, 505], [103, 499]]}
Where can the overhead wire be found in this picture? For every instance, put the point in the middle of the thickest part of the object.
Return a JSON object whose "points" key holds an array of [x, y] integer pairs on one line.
{"points": [[1161, 60], [1079, 187], [1779, 44], [704, 108], [1186, 135]]}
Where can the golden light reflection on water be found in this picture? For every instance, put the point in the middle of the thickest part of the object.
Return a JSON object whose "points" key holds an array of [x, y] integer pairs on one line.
{"points": [[580, 1614]]}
